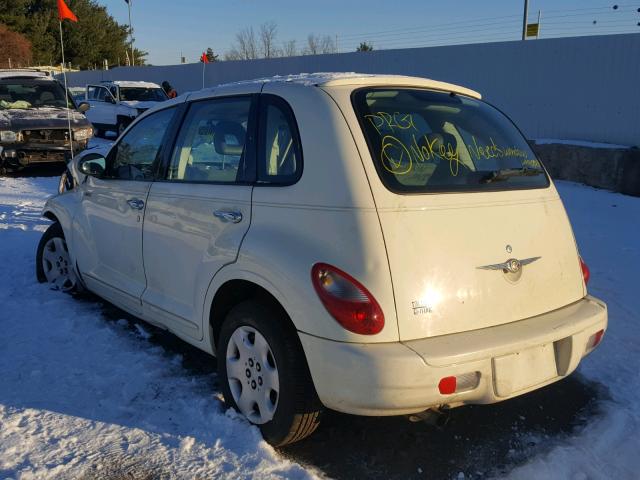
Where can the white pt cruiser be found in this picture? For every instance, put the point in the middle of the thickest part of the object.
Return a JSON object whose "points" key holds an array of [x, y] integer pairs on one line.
{"points": [[377, 245]]}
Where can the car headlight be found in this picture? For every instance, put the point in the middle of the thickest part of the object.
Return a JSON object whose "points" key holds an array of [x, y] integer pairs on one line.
{"points": [[82, 134], [9, 136]]}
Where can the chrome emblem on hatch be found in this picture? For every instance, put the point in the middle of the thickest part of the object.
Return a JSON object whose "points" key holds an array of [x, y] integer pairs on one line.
{"points": [[513, 265]]}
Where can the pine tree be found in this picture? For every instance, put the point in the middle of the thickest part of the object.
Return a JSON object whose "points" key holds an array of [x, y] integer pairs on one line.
{"points": [[96, 36], [364, 47], [210, 55]]}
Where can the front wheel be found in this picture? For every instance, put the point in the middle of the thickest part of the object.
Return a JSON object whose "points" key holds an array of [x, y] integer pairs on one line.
{"points": [[264, 374], [53, 263]]}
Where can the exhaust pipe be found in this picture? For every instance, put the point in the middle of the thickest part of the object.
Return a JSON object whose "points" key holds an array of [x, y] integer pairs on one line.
{"points": [[434, 417]]}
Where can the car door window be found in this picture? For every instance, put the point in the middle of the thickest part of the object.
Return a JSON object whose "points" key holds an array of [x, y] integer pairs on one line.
{"points": [[136, 155], [280, 154], [99, 94], [211, 146]]}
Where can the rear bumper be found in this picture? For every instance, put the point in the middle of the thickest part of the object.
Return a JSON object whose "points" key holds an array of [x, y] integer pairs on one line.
{"points": [[504, 361]]}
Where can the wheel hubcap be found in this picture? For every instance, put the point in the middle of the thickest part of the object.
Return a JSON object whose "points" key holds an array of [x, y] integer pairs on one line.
{"points": [[252, 374], [57, 265]]}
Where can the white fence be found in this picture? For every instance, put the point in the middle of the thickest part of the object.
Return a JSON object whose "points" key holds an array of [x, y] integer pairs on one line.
{"points": [[585, 88]]}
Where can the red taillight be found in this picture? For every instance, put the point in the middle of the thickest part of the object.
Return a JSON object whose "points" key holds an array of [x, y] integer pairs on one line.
{"points": [[586, 274], [347, 300]]}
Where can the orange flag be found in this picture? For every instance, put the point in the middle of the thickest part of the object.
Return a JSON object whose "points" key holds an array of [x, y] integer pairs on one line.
{"points": [[65, 13]]}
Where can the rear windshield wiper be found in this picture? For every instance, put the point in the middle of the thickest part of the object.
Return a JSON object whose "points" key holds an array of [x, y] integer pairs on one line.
{"points": [[507, 173]]}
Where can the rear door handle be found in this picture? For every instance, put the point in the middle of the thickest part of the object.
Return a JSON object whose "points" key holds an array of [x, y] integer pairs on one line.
{"points": [[233, 217], [136, 203]]}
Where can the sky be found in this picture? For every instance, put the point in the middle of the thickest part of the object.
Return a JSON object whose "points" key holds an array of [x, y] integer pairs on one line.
{"points": [[167, 28]]}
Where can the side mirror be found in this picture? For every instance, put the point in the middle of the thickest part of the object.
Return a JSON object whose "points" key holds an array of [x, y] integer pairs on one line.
{"points": [[110, 99], [93, 164], [83, 107]]}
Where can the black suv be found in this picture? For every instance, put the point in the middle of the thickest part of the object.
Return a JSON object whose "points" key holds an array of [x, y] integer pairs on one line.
{"points": [[35, 113]]}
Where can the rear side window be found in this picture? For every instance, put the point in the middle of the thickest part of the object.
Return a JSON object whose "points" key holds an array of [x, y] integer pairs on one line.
{"points": [[280, 154], [423, 141]]}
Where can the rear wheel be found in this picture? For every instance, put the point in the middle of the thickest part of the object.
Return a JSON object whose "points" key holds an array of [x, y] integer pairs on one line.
{"points": [[53, 263], [264, 374]]}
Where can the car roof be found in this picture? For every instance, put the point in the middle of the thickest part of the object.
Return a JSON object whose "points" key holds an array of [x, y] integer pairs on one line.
{"points": [[133, 84], [335, 79], [24, 73]]}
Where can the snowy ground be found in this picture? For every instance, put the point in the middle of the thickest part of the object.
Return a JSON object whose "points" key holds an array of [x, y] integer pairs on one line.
{"points": [[85, 393]]}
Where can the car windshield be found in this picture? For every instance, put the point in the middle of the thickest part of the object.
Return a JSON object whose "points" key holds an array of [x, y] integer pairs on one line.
{"points": [[423, 141], [142, 94], [30, 94]]}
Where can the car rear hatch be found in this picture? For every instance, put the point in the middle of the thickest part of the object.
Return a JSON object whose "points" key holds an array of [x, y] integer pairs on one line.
{"points": [[476, 235]]}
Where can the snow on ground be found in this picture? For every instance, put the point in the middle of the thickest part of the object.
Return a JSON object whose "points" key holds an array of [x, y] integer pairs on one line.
{"points": [[607, 229], [83, 397]]}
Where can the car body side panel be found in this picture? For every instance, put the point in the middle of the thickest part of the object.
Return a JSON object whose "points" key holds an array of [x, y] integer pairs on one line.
{"points": [[327, 216]]}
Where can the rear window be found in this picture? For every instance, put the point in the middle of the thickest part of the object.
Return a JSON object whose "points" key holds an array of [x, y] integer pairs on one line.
{"points": [[423, 141]]}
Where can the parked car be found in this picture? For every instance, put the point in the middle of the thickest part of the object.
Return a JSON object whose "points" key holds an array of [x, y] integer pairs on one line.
{"points": [[115, 104], [78, 94], [35, 120], [377, 245]]}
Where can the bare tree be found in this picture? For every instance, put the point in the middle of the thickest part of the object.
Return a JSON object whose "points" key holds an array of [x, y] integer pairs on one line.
{"points": [[249, 46], [289, 49], [328, 44], [246, 46], [232, 54], [268, 34], [317, 45], [313, 45]]}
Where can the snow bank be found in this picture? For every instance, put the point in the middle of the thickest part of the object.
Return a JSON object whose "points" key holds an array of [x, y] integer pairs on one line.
{"points": [[607, 228], [83, 396]]}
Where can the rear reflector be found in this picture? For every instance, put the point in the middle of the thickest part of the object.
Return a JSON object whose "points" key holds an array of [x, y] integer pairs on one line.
{"points": [[459, 383], [447, 385], [594, 340]]}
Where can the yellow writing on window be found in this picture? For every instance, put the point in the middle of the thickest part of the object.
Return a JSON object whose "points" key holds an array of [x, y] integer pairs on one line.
{"points": [[399, 156], [401, 121]]}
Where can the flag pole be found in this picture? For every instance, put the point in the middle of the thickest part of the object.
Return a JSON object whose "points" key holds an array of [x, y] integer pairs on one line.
{"points": [[66, 91], [133, 61]]}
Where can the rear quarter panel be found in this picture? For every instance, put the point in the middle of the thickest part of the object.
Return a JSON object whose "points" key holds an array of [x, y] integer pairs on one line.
{"points": [[327, 216]]}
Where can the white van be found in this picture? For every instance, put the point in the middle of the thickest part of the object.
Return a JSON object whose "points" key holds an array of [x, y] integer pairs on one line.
{"points": [[377, 245]]}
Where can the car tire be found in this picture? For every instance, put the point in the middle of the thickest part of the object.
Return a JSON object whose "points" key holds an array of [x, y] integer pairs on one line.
{"points": [[293, 412], [53, 262]]}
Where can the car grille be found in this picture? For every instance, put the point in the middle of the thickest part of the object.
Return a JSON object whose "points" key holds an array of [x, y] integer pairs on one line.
{"points": [[46, 136]]}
